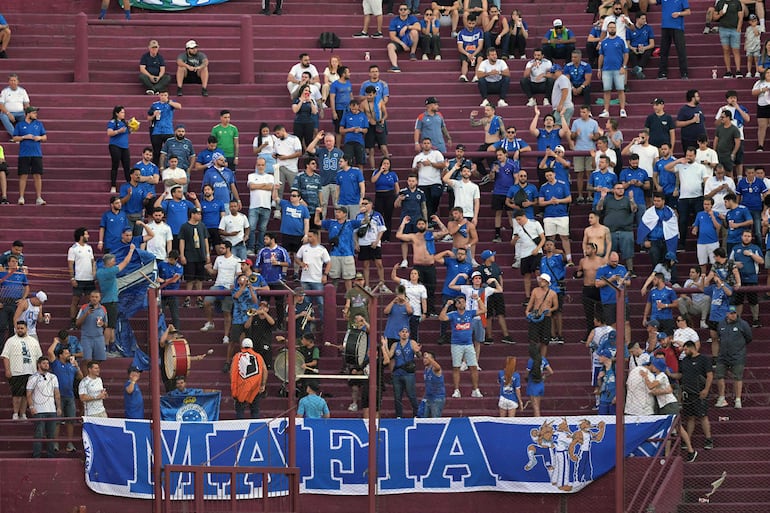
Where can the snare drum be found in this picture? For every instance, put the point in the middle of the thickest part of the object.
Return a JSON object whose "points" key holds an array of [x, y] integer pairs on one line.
{"points": [[281, 365], [177, 358], [355, 345]]}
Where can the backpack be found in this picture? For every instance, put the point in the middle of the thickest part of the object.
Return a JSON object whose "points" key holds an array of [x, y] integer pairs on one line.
{"points": [[328, 40]]}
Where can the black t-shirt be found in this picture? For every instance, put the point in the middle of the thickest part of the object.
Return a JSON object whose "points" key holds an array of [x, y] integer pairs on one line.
{"points": [[660, 127], [694, 370], [152, 64], [194, 237]]}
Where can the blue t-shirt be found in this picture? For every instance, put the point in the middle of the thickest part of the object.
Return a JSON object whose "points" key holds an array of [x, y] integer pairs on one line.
{"points": [[629, 174], [312, 407], [599, 179], [65, 373], [531, 191], [750, 194], [668, 7], [176, 213], [381, 91], [396, 24], [212, 212], [272, 273], [639, 36], [350, 192], [453, 268], [750, 269], [505, 176], [509, 391], [543, 364], [559, 170], [577, 74], [167, 271], [134, 402], [666, 179], [220, 180], [607, 293], [462, 334], [559, 190], [204, 157], [345, 233], [386, 182], [412, 203], [666, 296], [720, 301], [113, 225], [28, 147], [397, 319], [164, 125], [548, 139], [108, 283], [343, 91], [613, 49], [293, 218], [739, 214], [350, 120], [148, 169], [119, 140], [90, 327], [587, 128], [135, 204], [707, 234]]}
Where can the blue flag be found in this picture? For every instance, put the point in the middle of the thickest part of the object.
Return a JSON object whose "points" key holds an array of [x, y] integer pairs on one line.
{"points": [[202, 407]]}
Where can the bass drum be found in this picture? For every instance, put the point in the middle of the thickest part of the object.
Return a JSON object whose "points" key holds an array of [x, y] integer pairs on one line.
{"points": [[355, 345], [281, 365], [176, 359]]}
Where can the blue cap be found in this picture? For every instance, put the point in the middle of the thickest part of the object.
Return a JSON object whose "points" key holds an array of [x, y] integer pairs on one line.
{"points": [[671, 256], [487, 253], [662, 335], [731, 308], [555, 68], [660, 364], [605, 353]]}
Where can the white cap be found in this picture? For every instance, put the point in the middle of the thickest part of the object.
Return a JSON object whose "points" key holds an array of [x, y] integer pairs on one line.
{"points": [[557, 22], [191, 44], [247, 343], [544, 277], [42, 296], [559, 147]]}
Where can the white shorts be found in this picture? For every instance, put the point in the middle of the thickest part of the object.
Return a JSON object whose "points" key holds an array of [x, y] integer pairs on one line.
{"points": [[556, 226], [507, 404], [460, 352], [706, 253], [373, 7]]}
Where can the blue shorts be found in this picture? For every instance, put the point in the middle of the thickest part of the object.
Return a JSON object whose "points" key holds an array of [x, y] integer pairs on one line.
{"points": [[463, 351], [94, 348], [612, 78], [729, 37], [479, 333], [535, 389]]}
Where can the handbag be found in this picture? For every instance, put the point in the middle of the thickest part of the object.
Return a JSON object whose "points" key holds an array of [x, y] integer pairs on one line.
{"points": [[536, 240]]}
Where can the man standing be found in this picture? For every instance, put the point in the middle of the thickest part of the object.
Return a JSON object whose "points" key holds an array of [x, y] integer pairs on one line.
{"points": [[92, 321], [591, 299], [227, 139], [727, 141], [65, 367], [428, 164], [613, 60], [248, 379], [423, 249], [13, 100], [503, 172], [314, 261], [691, 177], [92, 392], [107, 277], [288, 149], [13, 288], [226, 267], [413, 204], [697, 376], [261, 193], [467, 195], [584, 132], [660, 301], [462, 341], [221, 179], [528, 240], [747, 257], [672, 28], [430, 125], [690, 119], [658, 231], [181, 147], [44, 401], [612, 274], [192, 68], [619, 210], [234, 228], [561, 96], [351, 186], [661, 125], [30, 133], [555, 197], [730, 14], [273, 261], [152, 70], [308, 183], [341, 230], [370, 245], [82, 270], [133, 401], [160, 115], [19, 356], [734, 336], [194, 253], [329, 158]]}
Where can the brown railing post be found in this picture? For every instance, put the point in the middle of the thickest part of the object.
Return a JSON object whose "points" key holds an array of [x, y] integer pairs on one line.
{"points": [[374, 371], [620, 426], [81, 48], [155, 386], [247, 50]]}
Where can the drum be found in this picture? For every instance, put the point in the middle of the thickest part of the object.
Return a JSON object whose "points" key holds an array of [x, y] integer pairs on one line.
{"points": [[177, 358], [281, 365], [355, 345]]}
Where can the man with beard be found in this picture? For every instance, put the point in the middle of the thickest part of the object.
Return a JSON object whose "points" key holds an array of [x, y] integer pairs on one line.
{"points": [[180, 146], [690, 119], [618, 210], [613, 59], [586, 270], [423, 248]]}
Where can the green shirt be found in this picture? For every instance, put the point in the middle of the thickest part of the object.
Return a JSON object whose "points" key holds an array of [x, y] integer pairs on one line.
{"points": [[226, 136]]}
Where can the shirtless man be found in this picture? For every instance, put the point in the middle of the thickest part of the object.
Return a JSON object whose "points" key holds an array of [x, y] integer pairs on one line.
{"points": [[494, 129], [422, 259], [542, 301], [463, 233], [597, 233], [586, 269]]}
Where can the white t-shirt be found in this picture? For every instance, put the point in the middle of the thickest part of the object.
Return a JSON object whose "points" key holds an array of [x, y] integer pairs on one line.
{"points": [[719, 198], [707, 155], [531, 230], [620, 24], [473, 303], [22, 354], [465, 194], [227, 268], [268, 148], [639, 400], [288, 146], [44, 387], [158, 244], [172, 177], [691, 177], [427, 175], [83, 258], [647, 157], [559, 86], [14, 100], [260, 198], [297, 70], [664, 399], [415, 293], [234, 223], [537, 71], [92, 387], [486, 67], [314, 257], [611, 155]]}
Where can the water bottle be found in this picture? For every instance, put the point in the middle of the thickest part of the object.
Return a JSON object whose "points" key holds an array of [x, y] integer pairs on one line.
{"points": [[714, 73], [367, 56]]}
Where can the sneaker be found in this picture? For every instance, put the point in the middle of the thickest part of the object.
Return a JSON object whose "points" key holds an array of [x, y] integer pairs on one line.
{"points": [[604, 114], [149, 92], [56, 447], [113, 190], [516, 263], [760, 148], [278, 12], [186, 303], [277, 213], [447, 238], [484, 103], [412, 57], [463, 367], [199, 302], [757, 75], [756, 324], [502, 103], [508, 340], [559, 340], [738, 403], [208, 326], [728, 74], [70, 447], [4, 201], [523, 57], [484, 180], [40, 201], [454, 33], [703, 324], [684, 77], [353, 407], [531, 102], [404, 264], [21, 200], [476, 393], [738, 74], [377, 35], [204, 92], [632, 274], [497, 239], [662, 76], [475, 79], [385, 290], [361, 34], [437, 58], [478, 367], [709, 444], [3, 55], [488, 341], [23, 416], [225, 339], [623, 113], [546, 103], [691, 457], [463, 78], [265, 12], [179, 92], [456, 394], [706, 29], [425, 57], [721, 402], [15, 416], [395, 69]]}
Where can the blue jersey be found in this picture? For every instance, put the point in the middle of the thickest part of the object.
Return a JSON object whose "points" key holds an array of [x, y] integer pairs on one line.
{"points": [[167, 270], [629, 174], [204, 157], [432, 126], [65, 373], [135, 204], [720, 301], [119, 140], [750, 193], [599, 179], [666, 296], [462, 334], [669, 7], [554, 267], [639, 36], [272, 273], [344, 232], [309, 187], [293, 218], [548, 139], [176, 213], [342, 92], [164, 125], [607, 293], [750, 269], [577, 74], [453, 268], [509, 391], [386, 182], [511, 146], [148, 169], [28, 147], [607, 386], [381, 89], [505, 176], [560, 172], [312, 407], [707, 234], [350, 120], [350, 191], [133, 402], [739, 214], [531, 194], [401, 354], [613, 50], [559, 190], [434, 384], [470, 40], [412, 203], [113, 225], [396, 24], [220, 180], [666, 179], [328, 164], [212, 212]]}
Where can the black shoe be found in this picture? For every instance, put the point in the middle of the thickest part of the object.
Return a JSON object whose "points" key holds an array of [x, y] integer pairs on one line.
{"points": [[728, 74], [186, 303], [760, 148], [488, 341], [756, 324], [266, 12], [204, 92], [508, 340], [278, 12], [662, 76], [709, 444], [632, 274], [4, 201], [3, 55], [684, 76], [691, 457], [179, 92]]}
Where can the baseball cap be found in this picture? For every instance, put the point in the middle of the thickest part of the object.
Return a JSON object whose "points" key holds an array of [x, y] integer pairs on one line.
{"points": [[475, 273], [127, 229], [654, 323], [555, 68], [487, 253], [359, 276], [559, 147], [731, 309], [557, 22], [42, 296], [134, 369], [544, 277], [154, 44], [460, 147], [247, 343], [197, 211], [31, 109], [605, 353], [191, 44], [671, 256], [658, 101], [660, 364], [248, 262], [753, 17], [431, 99], [662, 335], [299, 291]]}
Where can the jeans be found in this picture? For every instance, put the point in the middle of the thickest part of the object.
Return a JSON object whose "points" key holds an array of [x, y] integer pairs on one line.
{"points": [[280, 308], [639, 59], [49, 428], [240, 408], [414, 327], [666, 36], [239, 250], [258, 219], [401, 383], [686, 207], [500, 87], [756, 216], [489, 42], [318, 300], [5, 119], [432, 197], [434, 407]]}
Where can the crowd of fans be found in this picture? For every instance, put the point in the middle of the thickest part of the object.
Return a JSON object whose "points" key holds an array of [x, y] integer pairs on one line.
{"points": [[197, 232]]}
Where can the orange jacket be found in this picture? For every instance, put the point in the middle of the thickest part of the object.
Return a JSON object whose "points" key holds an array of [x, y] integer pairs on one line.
{"points": [[248, 375]]}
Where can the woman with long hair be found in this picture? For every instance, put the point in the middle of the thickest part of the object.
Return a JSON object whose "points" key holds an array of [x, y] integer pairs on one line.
{"points": [[385, 191], [330, 75], [118, 131], [517, 43], [305, 111], [510, 389], [263, 147]]}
